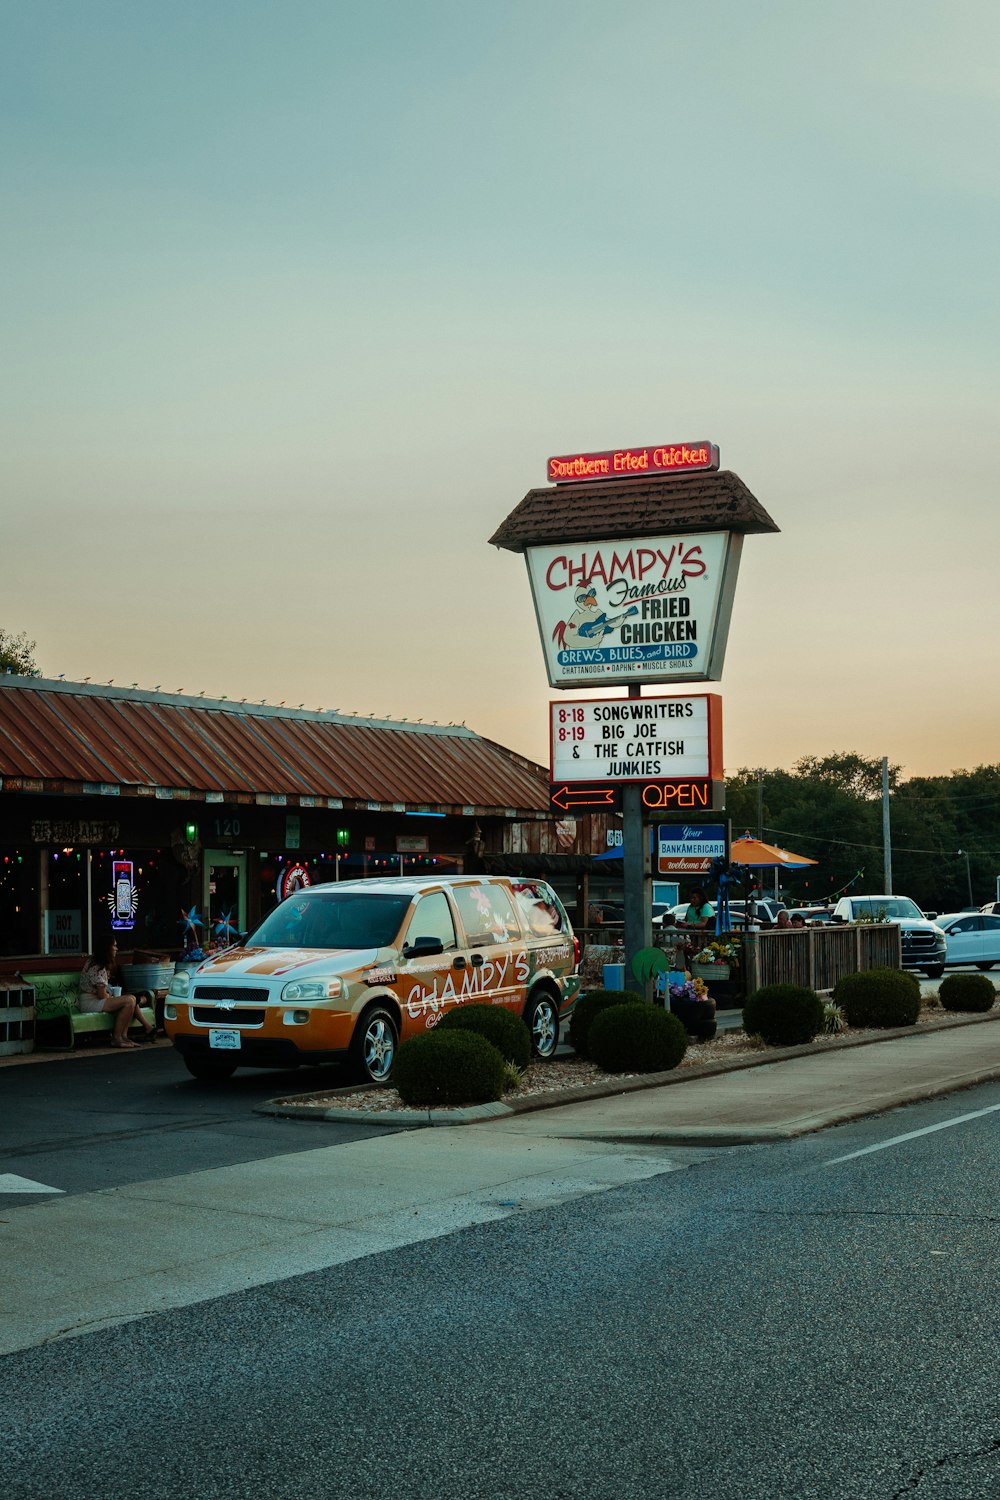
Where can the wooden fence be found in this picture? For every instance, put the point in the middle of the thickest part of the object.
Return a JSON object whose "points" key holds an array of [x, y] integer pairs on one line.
{"points": [[818, 956]]}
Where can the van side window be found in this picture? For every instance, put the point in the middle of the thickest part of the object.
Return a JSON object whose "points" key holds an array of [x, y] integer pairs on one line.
{"points": [[541, 912], [432, 918], [487, 914]]}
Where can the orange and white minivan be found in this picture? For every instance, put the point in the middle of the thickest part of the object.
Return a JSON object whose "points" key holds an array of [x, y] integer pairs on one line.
{"points": [[345, 971]]}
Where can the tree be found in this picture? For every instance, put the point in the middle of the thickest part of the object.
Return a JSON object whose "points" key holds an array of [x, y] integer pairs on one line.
{"points": [[16, 655]]}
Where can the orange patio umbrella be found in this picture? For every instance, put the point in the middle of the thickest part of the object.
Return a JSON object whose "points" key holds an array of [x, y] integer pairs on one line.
{"points": [[758, 855]]}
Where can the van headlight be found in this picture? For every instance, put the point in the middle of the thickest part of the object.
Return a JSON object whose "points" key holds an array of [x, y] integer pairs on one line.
{"points": [[180, 985], [312, 989]]}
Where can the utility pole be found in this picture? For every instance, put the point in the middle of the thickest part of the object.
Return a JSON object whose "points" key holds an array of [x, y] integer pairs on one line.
{"points": [[636, 871], [886, 840], [760, 803]]}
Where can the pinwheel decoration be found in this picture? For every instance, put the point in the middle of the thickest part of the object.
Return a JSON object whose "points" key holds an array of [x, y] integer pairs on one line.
{"points": [[225, 929], [190, 922]]}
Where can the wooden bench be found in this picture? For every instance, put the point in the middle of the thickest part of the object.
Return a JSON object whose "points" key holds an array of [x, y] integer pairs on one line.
{"points": [[57, 1008]]}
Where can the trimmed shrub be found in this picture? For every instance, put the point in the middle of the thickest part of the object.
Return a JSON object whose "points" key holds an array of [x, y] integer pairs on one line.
{"points": [[783, 1015], [448, 1067], [967, 992], [507, 1032], [590, 1005], [636, 1038], [878, 998]]}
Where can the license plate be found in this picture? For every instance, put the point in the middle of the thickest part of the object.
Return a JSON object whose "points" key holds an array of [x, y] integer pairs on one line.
{"points": [[224, 1037]]}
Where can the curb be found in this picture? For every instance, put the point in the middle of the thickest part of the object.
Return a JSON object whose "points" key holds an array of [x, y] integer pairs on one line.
{"points": [[708, 1135], [296, 1107]]}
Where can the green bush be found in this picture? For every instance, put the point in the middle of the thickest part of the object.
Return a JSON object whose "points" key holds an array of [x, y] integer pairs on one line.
{"points": [[448, 1067], [967, 992], [783, 1015], [507, 1032], [879, 998], [636, 1038], [590, 1005]]}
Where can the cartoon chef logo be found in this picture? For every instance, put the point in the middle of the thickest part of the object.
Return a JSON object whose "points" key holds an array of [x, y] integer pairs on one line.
{"points": [[588, 624]]}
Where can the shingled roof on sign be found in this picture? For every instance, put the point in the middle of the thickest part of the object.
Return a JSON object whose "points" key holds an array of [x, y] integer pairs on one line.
{"points": [[633, 507]]}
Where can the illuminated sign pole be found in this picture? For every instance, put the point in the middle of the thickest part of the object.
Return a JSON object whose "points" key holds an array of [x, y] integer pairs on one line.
{"points": [[623, 602]]}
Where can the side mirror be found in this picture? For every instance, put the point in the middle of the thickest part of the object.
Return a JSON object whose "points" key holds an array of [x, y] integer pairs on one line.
{"points": [[931, 916], [423, 947]]}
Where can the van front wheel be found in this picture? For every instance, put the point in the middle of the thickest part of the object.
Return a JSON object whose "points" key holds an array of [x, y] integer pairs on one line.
{"points": [[542, 1020], [373, 1046]]}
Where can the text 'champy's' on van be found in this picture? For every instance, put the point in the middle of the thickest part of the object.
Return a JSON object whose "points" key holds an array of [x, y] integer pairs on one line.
{"points": [[345, 971]]}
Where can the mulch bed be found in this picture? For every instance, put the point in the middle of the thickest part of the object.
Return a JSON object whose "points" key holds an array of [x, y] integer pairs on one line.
{"points": [[545, 1081]]}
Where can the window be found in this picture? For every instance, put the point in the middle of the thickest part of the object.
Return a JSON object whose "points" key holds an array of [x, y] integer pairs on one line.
{"points": [[541, 912], [487, 914], [347, 920], [967, 924], [432, 918]]}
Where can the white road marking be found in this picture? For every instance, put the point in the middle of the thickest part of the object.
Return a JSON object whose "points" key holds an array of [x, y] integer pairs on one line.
{"points": [[911, 1135], [11, 1183], [211, 1233]]}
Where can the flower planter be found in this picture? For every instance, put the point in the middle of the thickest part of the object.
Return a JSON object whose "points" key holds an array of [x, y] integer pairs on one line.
{"points": [[696, 1016], [710, 971]]}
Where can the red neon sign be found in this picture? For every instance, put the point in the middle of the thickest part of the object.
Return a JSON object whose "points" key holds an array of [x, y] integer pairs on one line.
{"points": [[634, 463]]}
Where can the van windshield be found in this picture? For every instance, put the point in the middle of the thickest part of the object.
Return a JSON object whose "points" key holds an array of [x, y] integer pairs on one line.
{"points": [[338, 920]]}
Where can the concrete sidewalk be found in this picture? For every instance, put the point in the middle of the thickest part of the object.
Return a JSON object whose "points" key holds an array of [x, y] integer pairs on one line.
{"points": [[778, 1101], [734, 1102]]}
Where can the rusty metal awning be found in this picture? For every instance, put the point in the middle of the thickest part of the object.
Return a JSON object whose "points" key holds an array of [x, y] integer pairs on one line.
{"points": [[74, 737]]}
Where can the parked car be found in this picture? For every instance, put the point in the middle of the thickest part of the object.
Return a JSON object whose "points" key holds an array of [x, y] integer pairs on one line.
{"points": [[345, 971], [605, 914], [991, 909], [814, 916], [922, 942], [971, 938], [764, 913]]}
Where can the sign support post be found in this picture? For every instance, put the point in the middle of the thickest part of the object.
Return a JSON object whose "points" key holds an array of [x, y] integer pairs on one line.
{"points": [[633, 581], [637, 890]]}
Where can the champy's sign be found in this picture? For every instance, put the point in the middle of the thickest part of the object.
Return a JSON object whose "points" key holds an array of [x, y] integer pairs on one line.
{"points": [[627, 610]]}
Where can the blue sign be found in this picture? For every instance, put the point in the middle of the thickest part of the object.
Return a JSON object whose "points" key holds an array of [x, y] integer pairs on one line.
{"points": [[689, 848]]}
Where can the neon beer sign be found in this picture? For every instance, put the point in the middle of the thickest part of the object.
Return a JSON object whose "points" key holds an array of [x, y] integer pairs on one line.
{"points": [[634, 463]]}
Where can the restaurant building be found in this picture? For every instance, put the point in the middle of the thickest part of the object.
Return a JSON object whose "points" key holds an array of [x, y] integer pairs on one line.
{"points": [[168, 818]]}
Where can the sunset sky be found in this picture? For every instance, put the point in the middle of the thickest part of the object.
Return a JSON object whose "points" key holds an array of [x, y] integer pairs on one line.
{"points": [[299, 298]]}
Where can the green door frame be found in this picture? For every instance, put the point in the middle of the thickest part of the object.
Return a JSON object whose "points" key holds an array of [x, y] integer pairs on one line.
{"points": [[215, 859]]}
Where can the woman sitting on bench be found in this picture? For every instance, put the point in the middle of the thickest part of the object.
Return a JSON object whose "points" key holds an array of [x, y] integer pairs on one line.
{"points": [[97, 994]]}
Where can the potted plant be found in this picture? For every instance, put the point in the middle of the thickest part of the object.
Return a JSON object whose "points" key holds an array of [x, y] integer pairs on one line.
{"points": [[694, 1007]]}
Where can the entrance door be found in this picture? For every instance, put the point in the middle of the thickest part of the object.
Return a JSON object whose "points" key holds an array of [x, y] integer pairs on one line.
{"points": [[225, 894]]}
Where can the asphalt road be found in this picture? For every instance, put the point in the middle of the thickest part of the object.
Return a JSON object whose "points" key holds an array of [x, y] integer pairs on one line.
{"points": [[767, 1321], [107, 1119]]}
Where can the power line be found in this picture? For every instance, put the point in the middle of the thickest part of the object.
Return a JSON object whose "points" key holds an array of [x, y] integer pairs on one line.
{"points": [[901, 848]]}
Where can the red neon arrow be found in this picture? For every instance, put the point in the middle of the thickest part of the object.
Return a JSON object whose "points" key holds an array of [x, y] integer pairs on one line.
{"points": [[591, 796]]}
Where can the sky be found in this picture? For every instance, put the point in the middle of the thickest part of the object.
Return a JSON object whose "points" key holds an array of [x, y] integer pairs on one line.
{"points": [[298, 300]]}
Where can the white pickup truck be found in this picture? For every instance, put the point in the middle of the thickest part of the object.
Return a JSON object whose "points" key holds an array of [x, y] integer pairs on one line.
{"points": [[923, 943]]}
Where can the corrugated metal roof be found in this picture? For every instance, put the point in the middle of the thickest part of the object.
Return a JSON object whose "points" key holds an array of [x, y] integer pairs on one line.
{"points": [[63, 732], [593, 510]]}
